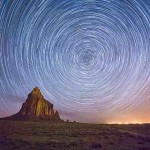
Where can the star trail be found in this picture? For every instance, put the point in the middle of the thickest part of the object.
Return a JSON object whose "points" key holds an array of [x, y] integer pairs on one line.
{"points": [[90, 58]]}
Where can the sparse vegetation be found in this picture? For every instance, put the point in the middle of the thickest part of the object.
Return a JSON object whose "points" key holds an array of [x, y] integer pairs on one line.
{"points": [[72, 136]]}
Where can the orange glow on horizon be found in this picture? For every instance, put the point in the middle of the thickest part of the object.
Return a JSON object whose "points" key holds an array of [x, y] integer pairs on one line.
{"points": [[125, 123], [130, 118], [132, 122]]}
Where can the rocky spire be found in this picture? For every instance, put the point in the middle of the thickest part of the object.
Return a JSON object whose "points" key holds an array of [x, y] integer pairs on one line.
{"points": [[36, 106], [36, 91]]}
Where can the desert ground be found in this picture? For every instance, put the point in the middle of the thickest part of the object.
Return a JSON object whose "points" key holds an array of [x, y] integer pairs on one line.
{"points": [[23, 135]]}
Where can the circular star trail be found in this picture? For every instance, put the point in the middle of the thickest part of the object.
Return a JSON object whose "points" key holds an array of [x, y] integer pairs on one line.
{"points": [[86, 56]]}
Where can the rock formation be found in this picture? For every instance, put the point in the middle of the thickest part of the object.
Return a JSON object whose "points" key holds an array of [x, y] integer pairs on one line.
{"points": [[36, 108]]}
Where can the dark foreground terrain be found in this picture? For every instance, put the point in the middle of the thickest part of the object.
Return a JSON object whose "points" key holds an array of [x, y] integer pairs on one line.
{"points": [[72, 136]]}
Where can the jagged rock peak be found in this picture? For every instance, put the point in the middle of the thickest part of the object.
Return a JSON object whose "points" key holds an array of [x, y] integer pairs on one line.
{"points": [[36, 91], [37, 106]]}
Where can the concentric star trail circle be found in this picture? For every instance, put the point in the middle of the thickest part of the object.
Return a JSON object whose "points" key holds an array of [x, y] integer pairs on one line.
{"points": [[83, 54]]}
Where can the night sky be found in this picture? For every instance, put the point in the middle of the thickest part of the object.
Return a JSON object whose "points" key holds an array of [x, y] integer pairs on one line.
{"points": [[90, 58]]}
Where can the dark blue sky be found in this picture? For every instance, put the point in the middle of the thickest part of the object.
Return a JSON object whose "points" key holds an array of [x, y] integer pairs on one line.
{"points": [[90, 58]]}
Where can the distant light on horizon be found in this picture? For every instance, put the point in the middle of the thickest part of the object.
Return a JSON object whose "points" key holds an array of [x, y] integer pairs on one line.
{"points": [[134, 122]]}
